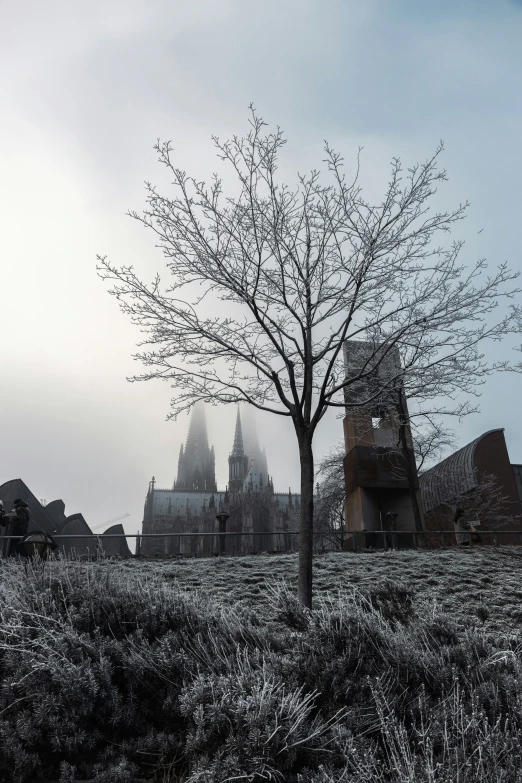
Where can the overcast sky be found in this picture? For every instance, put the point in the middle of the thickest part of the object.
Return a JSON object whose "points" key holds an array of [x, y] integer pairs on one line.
{"points": [[86, 88]]}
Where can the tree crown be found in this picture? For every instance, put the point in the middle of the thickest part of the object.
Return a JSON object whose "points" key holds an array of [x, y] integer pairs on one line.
{"points": [[301, 271]]}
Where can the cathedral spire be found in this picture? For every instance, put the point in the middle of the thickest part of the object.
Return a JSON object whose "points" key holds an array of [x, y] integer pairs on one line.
{"points": [[251, 443], [238, 461], [196, 468], [238, 450]]}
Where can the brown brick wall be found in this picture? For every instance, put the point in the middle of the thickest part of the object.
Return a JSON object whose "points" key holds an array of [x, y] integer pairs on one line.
{"points": [[492, 456]]}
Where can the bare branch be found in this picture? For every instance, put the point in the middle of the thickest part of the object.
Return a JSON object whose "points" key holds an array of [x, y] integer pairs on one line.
{"points": [[269, 282]]}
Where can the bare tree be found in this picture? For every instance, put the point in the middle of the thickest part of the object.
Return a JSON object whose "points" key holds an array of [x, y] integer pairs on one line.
{"points": [[431, 442], [429, 438], [486, 505], [300, 270], [329, 521]]}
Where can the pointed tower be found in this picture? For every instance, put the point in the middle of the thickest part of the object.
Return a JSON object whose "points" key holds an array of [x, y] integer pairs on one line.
{"points": [[263, 468], [196, 465], [238, 460], [212, 468], [251, 444], [181, 467]]}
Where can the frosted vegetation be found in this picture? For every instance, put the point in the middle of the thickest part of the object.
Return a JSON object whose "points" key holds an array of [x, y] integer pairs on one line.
{"points": [[407, 669]]}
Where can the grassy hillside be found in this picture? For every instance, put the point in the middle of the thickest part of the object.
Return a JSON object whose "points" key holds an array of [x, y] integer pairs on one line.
{"points": [[484, 583], [408, 668]]}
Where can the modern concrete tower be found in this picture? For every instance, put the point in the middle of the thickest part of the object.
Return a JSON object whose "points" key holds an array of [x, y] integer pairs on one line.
{"points": [[379, 465]]}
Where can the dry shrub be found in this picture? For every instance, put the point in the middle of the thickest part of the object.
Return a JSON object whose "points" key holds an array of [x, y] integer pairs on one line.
{"points": [[110, 676]]}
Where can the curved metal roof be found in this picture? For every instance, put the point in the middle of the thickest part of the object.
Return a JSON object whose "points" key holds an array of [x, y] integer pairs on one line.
{"points": [[451, 477], [115, 546], [75, 525], [56, 509]]}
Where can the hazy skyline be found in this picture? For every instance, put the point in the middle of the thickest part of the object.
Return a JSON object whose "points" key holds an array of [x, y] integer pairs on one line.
{"points": [[88, 87]]}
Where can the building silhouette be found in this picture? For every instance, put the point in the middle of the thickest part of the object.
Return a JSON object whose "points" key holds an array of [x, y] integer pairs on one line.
{"points": [[51, 518], [381, 481], [191, 505], [196, 463], [479, 480]]}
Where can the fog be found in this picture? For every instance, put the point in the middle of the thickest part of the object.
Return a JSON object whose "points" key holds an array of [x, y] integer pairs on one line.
{"points": [[88, 87]]}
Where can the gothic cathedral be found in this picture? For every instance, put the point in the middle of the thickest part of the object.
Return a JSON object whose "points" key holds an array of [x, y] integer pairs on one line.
{"points": [[262, 516]]}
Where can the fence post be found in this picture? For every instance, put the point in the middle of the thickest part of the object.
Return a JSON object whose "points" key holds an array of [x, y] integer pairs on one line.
{"points": [[222, 529], [6, 542], [138, 545]]}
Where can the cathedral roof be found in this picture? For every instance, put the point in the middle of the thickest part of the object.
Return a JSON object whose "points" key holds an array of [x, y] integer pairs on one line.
{"points": [[252, 479], [178, 502], [175, 502]]}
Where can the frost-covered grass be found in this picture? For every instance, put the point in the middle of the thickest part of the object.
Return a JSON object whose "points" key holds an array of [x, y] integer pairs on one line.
{"points": [[408, 668], [482, 582]]}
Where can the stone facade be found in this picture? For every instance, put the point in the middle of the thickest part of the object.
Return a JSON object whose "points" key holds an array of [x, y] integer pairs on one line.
{"points": [[262, 515]]}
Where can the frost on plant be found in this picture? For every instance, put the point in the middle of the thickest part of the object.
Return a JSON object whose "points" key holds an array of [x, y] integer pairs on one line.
{"points": [[110, 672]]}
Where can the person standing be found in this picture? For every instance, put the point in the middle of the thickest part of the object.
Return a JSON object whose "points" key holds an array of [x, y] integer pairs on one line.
{"points": [[462, 529], [22, 517], [6, 521]]}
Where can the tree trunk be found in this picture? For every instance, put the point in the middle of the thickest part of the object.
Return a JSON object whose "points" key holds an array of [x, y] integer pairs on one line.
{"points": [[306, 532]]}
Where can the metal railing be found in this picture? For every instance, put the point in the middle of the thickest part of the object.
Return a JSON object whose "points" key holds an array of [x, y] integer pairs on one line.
{"points": [[101, 537], [427, 539], [355, 541]]}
